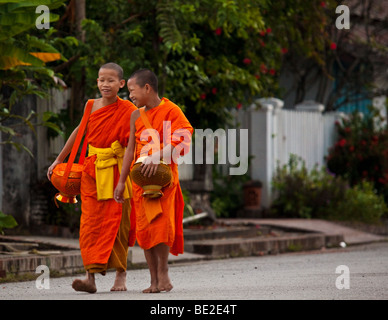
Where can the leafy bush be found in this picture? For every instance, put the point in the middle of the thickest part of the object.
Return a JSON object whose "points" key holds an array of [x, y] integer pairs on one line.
{"points": [[361, 152], [303, 194], [362, 204], [6, 222], [319, 194], [227, 195]]}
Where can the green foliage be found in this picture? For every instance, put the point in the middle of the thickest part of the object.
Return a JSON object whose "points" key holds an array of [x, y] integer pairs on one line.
{"points": [[6, 222], [303, 194], [361, 151], [362, 204], [18, 16], [227, 196], [17, 80], [206, 54], [15, 19], [318, 194]]}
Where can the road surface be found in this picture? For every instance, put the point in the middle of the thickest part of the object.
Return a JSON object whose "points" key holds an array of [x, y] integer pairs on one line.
{"points": [[362, 273]]}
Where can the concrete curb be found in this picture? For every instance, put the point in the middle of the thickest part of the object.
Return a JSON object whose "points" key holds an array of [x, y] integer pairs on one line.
{"points": [[258, 246], [67, 262]]}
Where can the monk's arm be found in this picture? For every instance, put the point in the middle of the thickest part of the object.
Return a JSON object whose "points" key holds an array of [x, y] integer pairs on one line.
{"points": [[127, 160]]}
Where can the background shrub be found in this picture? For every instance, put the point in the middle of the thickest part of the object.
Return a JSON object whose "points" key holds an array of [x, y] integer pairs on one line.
{"points": [[361, 152], [319, 194]]}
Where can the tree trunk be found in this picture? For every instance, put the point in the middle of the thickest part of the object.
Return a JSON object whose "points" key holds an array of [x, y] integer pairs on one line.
{"points": [[78, 83]]}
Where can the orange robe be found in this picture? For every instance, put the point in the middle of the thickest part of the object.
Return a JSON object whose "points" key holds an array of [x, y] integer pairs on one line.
{"points": [[104, 222], [167, 228]]}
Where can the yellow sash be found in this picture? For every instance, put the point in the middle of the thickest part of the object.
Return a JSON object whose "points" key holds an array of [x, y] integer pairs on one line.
{"points": [[107, 158]]}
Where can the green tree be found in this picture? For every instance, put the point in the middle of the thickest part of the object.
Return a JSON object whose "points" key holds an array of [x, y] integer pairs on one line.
{"points": [[210, 56], [22, 65]]}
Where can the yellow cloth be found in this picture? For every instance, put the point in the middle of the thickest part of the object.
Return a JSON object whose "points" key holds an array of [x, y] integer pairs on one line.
{"points": [[107, 158]]}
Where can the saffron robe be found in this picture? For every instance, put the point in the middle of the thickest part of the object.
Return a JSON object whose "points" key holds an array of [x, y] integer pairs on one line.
{"points": [[167, 227], [104, 223]]}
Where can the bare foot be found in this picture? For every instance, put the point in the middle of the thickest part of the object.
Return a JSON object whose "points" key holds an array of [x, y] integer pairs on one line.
{"points": [[165, 287], [120, 281], [86, 285], [151, 289], [164, 283]]}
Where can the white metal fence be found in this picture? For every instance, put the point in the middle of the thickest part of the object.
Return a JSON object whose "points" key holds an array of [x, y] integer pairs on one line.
{"points": [[304, 133], [275, 134]]}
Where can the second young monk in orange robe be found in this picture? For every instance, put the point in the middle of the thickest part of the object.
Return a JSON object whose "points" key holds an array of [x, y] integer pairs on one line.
{"points": [[164, 233], [105, 223]]}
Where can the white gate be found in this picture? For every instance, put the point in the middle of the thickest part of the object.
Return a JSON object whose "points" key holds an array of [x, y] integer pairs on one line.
{"points": [[275, 134]]}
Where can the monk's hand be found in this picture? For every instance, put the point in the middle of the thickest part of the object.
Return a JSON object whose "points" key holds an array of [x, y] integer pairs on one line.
{"points": [[119, 192], [150, 165], [51, 168]]}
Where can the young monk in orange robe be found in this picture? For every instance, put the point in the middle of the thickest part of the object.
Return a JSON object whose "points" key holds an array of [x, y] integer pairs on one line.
{"points": [[105, 223], [159, 228]]}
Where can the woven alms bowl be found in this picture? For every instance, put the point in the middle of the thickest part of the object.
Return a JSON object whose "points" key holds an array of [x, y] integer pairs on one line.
{"points": [[72, 188], [152, 185]]}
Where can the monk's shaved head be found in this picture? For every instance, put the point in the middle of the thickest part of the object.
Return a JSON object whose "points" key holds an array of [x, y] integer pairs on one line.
{"points": [[144, 76], [115, 67]]}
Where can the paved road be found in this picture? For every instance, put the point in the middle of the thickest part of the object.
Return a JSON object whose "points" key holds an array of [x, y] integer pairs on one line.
{"points": [[286, 276]]}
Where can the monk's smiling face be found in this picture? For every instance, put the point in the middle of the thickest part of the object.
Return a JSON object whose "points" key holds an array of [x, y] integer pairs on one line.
{"points": [[139, 95], [109, 83]]}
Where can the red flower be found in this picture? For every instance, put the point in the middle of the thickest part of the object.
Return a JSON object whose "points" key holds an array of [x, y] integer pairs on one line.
{"points": [[263, 68], [262, 43], [284, 50], [214, 90], [257, 76], [351, 148], [239, 106], [342, 142], [272, 72], [269, 30], [333, 46], [262, 33], [323, 4], [247, 61], [203, 96], [218, 31]]}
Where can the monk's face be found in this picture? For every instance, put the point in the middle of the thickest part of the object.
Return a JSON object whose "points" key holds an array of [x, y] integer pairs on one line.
{"points": [[109, 83], [138, 95]]}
